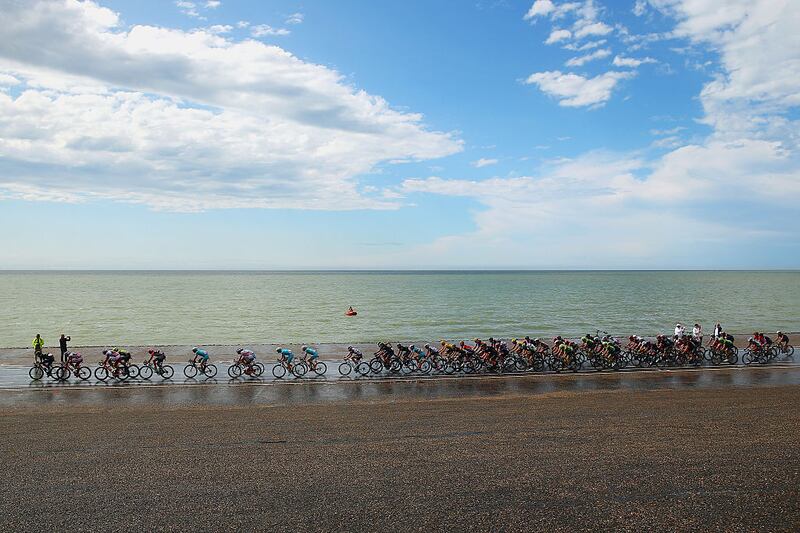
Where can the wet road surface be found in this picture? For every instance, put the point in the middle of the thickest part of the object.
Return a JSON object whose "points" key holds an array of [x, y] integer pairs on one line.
{"points": [[16, 388]]}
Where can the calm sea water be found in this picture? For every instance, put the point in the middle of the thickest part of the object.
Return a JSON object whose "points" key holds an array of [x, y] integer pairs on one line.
{"points": [[235, 307]]}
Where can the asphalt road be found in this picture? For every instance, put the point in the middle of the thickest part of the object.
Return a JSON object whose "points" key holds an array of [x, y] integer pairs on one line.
{"points": [[715, 449]]}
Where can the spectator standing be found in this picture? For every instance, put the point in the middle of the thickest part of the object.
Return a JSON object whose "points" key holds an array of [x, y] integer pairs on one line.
{"points": [[697, 333], [38, 344], [63, 344]]}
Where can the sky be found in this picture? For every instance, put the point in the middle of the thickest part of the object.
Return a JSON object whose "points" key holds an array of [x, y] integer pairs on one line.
{"points": [[424, 134]]}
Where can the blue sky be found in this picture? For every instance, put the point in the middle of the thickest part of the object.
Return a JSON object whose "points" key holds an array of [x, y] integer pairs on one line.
{"points": [[416, 134]]}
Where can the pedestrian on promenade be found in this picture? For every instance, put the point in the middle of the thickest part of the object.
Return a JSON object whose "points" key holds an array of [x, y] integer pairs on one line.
{"points": [[63, 344], [717, 330], [38, 344], [697, 333]]}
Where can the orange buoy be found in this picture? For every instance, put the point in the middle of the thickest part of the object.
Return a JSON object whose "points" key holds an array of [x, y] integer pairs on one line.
{"points": [[350, 312]]}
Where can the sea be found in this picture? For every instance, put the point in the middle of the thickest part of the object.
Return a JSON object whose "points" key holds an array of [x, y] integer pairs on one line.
{"points": [[224, 307]]}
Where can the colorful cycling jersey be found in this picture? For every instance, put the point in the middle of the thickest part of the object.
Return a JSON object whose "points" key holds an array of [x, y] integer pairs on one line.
{"points": [[202, 354], [287, 354], [311, 352], [418, 351]]}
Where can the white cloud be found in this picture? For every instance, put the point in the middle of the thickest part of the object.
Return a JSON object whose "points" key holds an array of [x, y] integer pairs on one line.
{"points": [[262, 30], [595, 28], [213, 4], [573, 90], [540, 8], [639, 8], [621, 61], [558, 36], [242, 24], [482, 162], [186, 120], [7, 80], [582, 60], [188, 8], [585, 46], [620, 209], [295, 18], [220, 28]]}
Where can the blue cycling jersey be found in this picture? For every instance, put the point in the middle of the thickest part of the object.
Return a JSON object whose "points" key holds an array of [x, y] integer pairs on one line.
{"points": [[202, 353], [311, 351]]}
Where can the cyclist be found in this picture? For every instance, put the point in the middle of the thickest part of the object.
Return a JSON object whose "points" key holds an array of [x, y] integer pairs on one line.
{"points": [[726, 343], [782, 340], [353, 354], [112, 359], [417, 353], [753, 343], [124, 355], [286, 355], [74, 358], [403, 352], [246, 358], [311, 356], [157, 357], [431, 351], [200, 356]]}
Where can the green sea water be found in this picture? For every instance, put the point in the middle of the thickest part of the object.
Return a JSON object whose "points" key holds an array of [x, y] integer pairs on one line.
{"points": [[136, 308]]}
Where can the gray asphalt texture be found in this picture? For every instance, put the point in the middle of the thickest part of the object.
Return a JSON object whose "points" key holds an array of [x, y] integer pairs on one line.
{"points": [[672, 451]]}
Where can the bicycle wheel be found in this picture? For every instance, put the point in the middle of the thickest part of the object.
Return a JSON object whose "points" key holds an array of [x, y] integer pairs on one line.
{"points": [[234, 371], [279, 371], [190, 371], [146, 372], [789, 352], [101, 373], [258, 369], [320, 368], [425, 367], [167, 372], [122, 373], [299, 370], [376, 365], [345, 368], [363, 368], [83, 373], [133, 371], [210, 371], [36, 373], [748, 357], [62, 373]]}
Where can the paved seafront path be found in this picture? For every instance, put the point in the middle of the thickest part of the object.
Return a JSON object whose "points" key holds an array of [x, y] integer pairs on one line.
{"points": [[494, 454]]}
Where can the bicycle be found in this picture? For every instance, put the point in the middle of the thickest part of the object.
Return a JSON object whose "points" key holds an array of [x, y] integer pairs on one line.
{"points": [[39, 369], [106, 370], [348, 365], [149, 368], [209, 370], [238, 368], [68, 368], [298, 369]]}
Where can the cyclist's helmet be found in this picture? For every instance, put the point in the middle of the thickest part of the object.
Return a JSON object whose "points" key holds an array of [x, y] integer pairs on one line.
{"points": [[778, 333], [239, 351], [194, 349], [151, 352], [278, 350], [304, 347], [427, 346]]}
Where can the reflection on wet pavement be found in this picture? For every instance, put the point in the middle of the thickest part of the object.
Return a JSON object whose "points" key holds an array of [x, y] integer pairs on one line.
{"points": [[16, 389]]}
